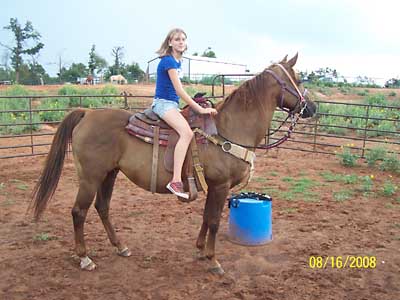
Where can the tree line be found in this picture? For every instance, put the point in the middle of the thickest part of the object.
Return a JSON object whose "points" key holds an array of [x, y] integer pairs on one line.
{"points": [[26, 69]]}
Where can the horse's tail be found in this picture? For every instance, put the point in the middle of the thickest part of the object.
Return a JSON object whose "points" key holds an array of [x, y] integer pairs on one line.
{"points": [[51, 173]]}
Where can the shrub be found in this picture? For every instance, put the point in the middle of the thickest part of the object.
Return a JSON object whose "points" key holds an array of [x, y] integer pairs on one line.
{"points": [[391, 163], [347, 158], [374, 155], [389, 189], [53, 112], [366, 184], [377, 99]]}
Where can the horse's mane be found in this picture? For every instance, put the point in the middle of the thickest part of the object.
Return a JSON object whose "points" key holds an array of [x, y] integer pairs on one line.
{"points": [[251, 92]]}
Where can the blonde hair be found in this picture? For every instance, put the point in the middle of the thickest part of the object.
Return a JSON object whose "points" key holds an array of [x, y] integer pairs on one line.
{"points": [[165, 48]]}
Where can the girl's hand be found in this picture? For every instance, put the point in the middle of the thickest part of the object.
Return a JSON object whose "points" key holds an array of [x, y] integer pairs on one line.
{"points": [[208, 110]]}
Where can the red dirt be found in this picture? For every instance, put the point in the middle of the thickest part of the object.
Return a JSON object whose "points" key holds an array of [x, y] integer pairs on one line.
{"points": [[161, 233]]}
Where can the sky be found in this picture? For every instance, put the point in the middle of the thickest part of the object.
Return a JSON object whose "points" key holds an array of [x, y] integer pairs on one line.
{"points": [[355, 37]]}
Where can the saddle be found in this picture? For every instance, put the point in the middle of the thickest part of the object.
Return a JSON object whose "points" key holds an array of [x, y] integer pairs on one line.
{"points": [[148, 127]]}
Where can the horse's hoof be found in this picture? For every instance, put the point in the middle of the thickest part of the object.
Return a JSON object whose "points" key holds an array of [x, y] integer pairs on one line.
{"points": [[124, 252], [217, 271], [87, 264], [201, 257]]}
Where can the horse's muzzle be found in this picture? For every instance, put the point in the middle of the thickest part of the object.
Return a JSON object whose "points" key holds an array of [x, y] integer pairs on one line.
{"points": [[310, 109]]}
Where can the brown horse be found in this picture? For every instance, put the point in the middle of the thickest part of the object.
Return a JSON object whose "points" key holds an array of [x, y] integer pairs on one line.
{"points": [[101, 148]]}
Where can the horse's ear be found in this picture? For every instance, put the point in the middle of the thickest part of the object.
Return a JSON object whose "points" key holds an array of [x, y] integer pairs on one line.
{"points": [[284, 60], [293, 60]]}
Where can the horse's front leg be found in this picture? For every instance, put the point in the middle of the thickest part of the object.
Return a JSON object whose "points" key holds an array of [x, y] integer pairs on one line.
{"points": [[212, 214], [201, 239]]}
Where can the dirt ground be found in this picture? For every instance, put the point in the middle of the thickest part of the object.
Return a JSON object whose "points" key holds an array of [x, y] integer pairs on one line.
{"points": [[37, 260]]}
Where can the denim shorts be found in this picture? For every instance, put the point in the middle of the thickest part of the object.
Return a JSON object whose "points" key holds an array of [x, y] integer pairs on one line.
{"points": [[161, 106]]}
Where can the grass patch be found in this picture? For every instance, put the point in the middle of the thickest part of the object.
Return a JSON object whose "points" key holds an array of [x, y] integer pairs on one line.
{"points": [[287, 179], [374, 155], [44, 237], [270, 191], [391, 163], [22, 187], [347, 158], [259, 179], [342, 178], [289, 210], [342, 195], [273, 174], [389, 206], [8, 202], [303, 184], [135, 213], [389, 189], [300, 189]]}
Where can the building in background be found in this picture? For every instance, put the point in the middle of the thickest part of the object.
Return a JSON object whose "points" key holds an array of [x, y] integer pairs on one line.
{"points": [[196, 68]]}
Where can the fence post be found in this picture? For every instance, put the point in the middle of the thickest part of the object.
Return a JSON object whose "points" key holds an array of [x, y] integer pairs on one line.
{"points": [[125, 94], [365, 131], [31, 123], [316, 129], [223, 86]]}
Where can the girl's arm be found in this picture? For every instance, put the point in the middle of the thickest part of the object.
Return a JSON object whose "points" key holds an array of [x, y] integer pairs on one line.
{"points": [[173, 75]]}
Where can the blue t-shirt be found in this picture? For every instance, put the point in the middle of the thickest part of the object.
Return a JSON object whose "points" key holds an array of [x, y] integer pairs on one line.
{"points": [[164, 87]]}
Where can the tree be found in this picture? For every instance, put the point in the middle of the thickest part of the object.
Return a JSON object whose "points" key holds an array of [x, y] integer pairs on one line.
{"points": [[133, 72], [209, 53], [393, 83], [96, 62], [22, 36], [75, 71], [117, 54]]}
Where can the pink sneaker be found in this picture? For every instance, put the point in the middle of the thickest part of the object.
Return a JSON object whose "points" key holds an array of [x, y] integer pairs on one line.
{"points": [[177, 189]]}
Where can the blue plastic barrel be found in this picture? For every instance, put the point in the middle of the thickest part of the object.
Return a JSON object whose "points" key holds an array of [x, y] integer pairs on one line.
{"points": [[250, 219]]}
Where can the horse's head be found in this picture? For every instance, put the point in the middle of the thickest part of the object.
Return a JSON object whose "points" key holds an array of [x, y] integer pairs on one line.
{"points": [[293, 97]]}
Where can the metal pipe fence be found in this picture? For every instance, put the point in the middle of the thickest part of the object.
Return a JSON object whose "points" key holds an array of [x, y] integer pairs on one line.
{"points": [[27, 126], [24, 131], [357, 126]]}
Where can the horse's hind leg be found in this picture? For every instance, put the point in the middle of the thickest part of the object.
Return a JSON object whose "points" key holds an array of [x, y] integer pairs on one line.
{"points": [[102, 205], [84, 199]]}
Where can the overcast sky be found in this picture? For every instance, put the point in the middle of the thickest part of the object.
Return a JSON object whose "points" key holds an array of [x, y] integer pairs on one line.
{"points": [[356, 37]]}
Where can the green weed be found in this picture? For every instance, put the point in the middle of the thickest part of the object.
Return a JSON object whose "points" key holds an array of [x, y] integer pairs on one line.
{"points": [[259, 179], [366, 184], [391, 163], [347, 158], [300, 189], [342, 195], [44, 237], [343, 178], [389, 189], [8, 202], [374, 155]]}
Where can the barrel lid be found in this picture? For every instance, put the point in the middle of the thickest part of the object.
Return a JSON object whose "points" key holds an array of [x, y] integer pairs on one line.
{"points": [[250, 197]]}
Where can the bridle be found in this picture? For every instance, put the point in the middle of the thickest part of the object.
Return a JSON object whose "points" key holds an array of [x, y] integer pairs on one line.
{"points": [[294, 117], [242, 151]]}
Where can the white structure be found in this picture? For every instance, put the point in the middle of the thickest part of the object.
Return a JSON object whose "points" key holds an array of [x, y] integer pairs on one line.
{"points": [[197, 67]]}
